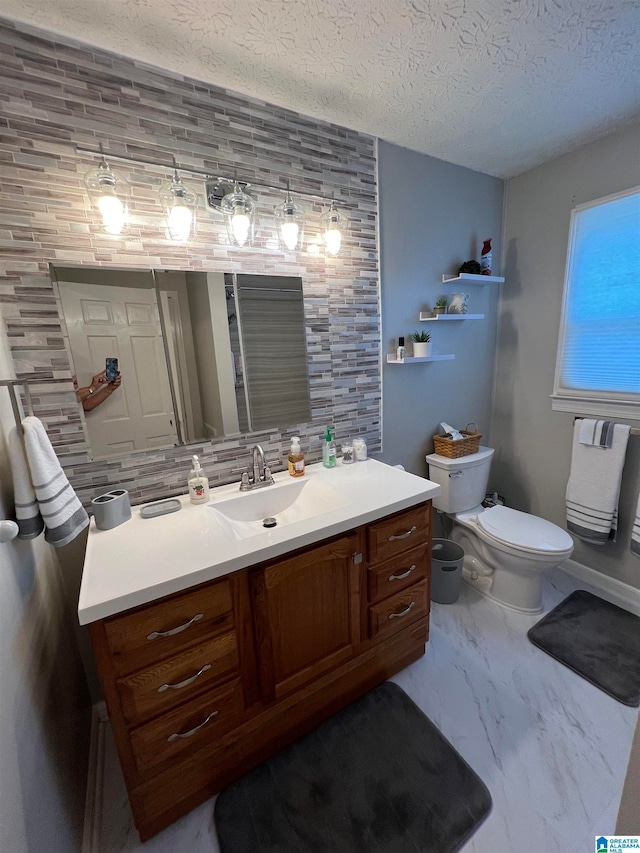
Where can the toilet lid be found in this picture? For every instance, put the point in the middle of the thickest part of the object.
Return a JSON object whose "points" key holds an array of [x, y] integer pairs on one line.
{"points": [[523, 530]]}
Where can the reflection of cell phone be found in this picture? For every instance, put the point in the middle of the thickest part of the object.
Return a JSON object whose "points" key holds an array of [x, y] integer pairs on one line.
{"points": [[111, 370]]}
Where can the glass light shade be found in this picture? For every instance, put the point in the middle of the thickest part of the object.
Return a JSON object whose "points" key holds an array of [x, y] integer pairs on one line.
{"points": [[332, 225], [109, 194], [180, 208], [237, 208], [290, 222]]}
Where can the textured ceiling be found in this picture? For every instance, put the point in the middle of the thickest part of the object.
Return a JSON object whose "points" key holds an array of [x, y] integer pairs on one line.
{"points": [[495, 85]]}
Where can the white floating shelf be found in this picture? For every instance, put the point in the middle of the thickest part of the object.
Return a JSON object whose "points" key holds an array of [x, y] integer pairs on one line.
{"points": [[473, 279], [391, 359], [425, 318]]}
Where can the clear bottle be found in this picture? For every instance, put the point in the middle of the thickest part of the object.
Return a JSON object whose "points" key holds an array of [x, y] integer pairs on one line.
{"points": [[329, 450], [401, 350], [296, 458], [198, 483]]}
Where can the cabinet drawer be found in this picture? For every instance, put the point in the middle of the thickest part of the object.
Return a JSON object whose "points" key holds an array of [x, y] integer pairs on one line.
{"points": [[398, 533], [146, 635], [394, 575], [394, 613], [189, 726], [174, 680]]}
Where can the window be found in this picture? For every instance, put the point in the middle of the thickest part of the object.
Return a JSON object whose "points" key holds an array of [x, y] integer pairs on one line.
{"points": [[598, 362]]}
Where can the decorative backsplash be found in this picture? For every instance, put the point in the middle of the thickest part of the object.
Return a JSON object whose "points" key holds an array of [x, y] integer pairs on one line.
{"points": [[57, 95]]}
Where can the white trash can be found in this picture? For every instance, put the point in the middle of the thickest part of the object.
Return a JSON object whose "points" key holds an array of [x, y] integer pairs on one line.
{"points": [[446, 571]]}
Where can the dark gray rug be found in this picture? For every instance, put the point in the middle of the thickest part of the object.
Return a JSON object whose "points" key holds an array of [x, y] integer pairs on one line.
{"points": [[599, 641], [378, 777]]}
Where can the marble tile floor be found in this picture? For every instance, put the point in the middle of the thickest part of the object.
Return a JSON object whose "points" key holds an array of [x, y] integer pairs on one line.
{"points": [[551, 748]]}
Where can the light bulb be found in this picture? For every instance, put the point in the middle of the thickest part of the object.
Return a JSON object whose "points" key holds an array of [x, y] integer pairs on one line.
{"points": [[113, 212], [240, 223], [179, 222], [290, 232], [333, 240]]}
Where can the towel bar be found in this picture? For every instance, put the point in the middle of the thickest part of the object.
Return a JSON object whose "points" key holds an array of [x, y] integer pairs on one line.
{"points": [[632, 430], [10, 385]]}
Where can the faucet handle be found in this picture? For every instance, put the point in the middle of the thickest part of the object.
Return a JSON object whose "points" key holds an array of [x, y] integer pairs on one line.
{"points": [[267, 472], [244, 480]]}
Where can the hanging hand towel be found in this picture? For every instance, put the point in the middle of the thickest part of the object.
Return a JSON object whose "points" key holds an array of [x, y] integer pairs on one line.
{"points": [[30, 523], [594, 486], [63, 514], [596, 433], [635, 532]]}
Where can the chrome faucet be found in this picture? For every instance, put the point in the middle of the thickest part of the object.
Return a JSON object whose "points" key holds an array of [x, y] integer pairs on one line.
{"points": [[261, 472]]}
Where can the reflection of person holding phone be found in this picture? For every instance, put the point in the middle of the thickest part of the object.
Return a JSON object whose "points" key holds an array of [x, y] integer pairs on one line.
{"points": [[98, 391]]}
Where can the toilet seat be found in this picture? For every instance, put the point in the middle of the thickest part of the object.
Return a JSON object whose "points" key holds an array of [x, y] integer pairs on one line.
{"points": [[523, 531]]}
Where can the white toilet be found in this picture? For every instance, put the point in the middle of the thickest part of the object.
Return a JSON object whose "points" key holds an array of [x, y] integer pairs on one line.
{"points": [[506, 551]]}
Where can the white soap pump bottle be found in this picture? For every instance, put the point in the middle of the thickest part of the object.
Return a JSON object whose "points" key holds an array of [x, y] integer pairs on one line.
{"points": [[198, 483]]}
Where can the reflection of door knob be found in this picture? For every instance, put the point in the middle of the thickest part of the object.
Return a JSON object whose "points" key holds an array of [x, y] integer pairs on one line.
{"points": [[8, 531]]}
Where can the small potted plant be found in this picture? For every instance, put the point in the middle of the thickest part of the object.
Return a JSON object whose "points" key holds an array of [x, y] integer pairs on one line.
{"points": [[441, 306], [421, 344]]}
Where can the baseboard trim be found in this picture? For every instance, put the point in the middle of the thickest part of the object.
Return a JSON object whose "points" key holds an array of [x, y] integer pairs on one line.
{"points": [[615, 591], [95, 779]]}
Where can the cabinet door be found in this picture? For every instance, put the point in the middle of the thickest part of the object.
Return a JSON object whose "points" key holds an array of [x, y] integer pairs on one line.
{"points": [[306, 611]]}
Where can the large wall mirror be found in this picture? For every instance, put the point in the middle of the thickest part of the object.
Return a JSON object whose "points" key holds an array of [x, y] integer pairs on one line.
{"points": [[201, 355]]}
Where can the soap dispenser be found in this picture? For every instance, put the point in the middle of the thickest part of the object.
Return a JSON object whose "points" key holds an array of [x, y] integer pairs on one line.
{"points": [[329, 450], [296, 458], [198, 483]]}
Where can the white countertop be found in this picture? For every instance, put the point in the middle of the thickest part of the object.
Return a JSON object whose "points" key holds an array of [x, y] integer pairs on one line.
{"points": [[146, 559]]}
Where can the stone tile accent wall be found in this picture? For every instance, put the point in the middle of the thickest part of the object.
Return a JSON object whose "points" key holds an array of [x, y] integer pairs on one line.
{"points": [[56, 95]]}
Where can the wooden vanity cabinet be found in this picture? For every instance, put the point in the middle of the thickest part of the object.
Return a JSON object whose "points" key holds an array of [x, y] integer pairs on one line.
{"points": [[205, 684]]}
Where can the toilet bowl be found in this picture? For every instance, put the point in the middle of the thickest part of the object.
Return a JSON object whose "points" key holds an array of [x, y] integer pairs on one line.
{"points": [[506, 551]]}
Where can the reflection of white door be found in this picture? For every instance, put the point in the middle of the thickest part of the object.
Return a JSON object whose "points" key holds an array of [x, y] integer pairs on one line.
{"points": [[103, 322]]}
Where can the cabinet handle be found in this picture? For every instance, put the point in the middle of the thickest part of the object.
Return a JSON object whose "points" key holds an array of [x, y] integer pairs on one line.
{"points": [[186, 682], [191, 732], [403, 612], [403, 535], [177, 630], [403, 575]]}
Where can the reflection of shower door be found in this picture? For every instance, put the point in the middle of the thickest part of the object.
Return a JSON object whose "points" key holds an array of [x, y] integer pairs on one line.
{"points": [[105, 321]]}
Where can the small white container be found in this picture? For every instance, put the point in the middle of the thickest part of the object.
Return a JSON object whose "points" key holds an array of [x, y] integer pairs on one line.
{"points": [[359, 449]]}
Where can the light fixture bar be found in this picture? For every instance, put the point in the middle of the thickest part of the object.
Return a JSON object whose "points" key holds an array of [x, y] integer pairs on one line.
{"points": [[86, 149]]}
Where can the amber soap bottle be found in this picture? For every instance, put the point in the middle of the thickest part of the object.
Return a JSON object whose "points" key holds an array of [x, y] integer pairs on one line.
{"points": [[296, 458]]}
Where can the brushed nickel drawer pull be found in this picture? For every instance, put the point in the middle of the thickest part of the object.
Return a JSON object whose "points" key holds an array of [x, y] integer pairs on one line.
{"points": [[403, 612], [403, 535], [403, 575], [177, 630], [191, 732], [186, 682]]}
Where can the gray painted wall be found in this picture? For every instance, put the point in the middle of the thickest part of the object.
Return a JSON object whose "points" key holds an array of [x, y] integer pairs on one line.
{"points": [[534, 443], [44, 704], [434, 216]]}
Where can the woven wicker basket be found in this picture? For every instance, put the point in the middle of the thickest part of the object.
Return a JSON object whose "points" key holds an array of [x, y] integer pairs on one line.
{"points": [[445, 446]]}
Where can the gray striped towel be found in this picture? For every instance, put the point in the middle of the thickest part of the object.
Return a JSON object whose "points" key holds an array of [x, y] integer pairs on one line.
{"points": [[63, 514], [635, 532], [596, 433], [594, 486], [30, 523]]}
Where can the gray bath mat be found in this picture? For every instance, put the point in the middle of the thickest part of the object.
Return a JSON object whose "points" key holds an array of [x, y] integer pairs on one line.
{"points": [[378, 777], [599, 641]]}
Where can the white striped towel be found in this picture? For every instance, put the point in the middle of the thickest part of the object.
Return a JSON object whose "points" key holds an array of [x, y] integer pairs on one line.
{"points": [[30, 523], [635, 532], [596, 433], [594, 486], [63, 514]]}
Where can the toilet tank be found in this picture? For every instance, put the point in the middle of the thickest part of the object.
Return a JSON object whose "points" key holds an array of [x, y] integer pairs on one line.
{"points": [[463, 481]]}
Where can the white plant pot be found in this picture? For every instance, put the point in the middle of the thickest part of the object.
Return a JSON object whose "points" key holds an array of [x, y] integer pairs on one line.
{"points": [[421, 349]]}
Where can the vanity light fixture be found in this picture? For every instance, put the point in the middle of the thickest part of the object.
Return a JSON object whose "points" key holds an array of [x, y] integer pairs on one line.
{"points": [[237, 208], [290, 223], [332, 225], [109, 194], [180, 208]]}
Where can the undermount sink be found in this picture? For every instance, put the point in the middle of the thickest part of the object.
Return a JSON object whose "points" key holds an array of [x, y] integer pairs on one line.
{"points": [[251, 513]]}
